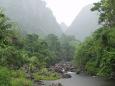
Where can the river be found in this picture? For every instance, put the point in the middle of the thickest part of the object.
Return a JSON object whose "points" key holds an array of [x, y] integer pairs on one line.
{"points": [[82, 80]]}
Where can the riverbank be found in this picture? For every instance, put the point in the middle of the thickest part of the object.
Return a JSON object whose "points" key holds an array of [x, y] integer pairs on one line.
{"points": [[81, 80]]}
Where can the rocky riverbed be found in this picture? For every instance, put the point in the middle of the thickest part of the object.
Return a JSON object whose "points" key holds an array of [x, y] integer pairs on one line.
{"points": [[63, 68]]}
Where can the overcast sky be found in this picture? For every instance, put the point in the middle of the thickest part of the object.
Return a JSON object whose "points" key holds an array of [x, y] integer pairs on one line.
{"points": [[66, 10]]}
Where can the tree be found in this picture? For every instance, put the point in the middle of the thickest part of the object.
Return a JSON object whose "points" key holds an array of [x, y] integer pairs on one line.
{"points": [[5, 28], [54, 46], [96, 53], [106, 9], [67, 47]]}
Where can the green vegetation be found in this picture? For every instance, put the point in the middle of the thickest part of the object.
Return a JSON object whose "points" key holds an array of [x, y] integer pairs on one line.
{"points": [[21, 82], [96, 55], [4, 77], [26, 56], [106, 8], [44, 74]]}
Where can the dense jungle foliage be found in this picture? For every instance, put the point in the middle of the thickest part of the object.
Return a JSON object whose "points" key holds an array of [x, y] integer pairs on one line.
{"points": [[96, 55], [24, 56], [27, 56]]}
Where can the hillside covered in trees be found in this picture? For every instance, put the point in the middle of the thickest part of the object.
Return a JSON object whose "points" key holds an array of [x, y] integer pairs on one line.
{"points": [[96, 55]]}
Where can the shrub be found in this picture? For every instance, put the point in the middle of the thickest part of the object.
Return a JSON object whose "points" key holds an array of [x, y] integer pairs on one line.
{"points": [[21, 82], [18, 74], [4, 76], [44, 74], [91, 68]]}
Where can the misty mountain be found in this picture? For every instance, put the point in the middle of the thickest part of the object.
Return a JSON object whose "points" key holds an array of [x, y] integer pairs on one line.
{"points": [[32, 16], [84, 24], [63, 27]]}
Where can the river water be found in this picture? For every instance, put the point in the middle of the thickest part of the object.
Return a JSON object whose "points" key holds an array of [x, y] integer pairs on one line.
{"points": [[82, 80]]}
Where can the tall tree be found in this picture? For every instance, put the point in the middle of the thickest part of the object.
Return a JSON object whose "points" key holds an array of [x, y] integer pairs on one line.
{"points": [[106, 8]]}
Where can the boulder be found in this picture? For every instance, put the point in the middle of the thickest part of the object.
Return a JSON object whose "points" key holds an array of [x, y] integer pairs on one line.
{"points": [[66, 76], [78, 72], [56, 84]]}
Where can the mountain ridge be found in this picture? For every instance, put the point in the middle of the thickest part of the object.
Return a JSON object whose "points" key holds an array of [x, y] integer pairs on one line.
{"points": [[84, 24], [32, 15]]}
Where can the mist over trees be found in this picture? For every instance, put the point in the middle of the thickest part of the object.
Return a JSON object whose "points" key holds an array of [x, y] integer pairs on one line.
{"points": [[33, 16], [23, 57]]}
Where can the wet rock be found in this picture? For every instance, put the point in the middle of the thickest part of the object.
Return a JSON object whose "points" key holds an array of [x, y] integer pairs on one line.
{"points": [[78, 72], [73, 69], [66, 76], [38, 83], [63, 67], [29, 76], [112, 76], [56, 84]]}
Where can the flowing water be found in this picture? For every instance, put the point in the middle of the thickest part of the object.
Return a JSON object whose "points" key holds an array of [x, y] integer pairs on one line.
{"points": [[82, 80]]}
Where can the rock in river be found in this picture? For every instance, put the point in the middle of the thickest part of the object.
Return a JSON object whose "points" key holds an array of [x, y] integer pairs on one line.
{"points": [[66, 75]]}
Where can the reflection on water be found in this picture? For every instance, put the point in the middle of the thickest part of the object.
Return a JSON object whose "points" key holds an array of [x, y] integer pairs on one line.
{"points": [[82, 80]]}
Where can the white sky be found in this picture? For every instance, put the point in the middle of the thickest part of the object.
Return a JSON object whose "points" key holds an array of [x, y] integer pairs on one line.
{"points": [[66, 10]]}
